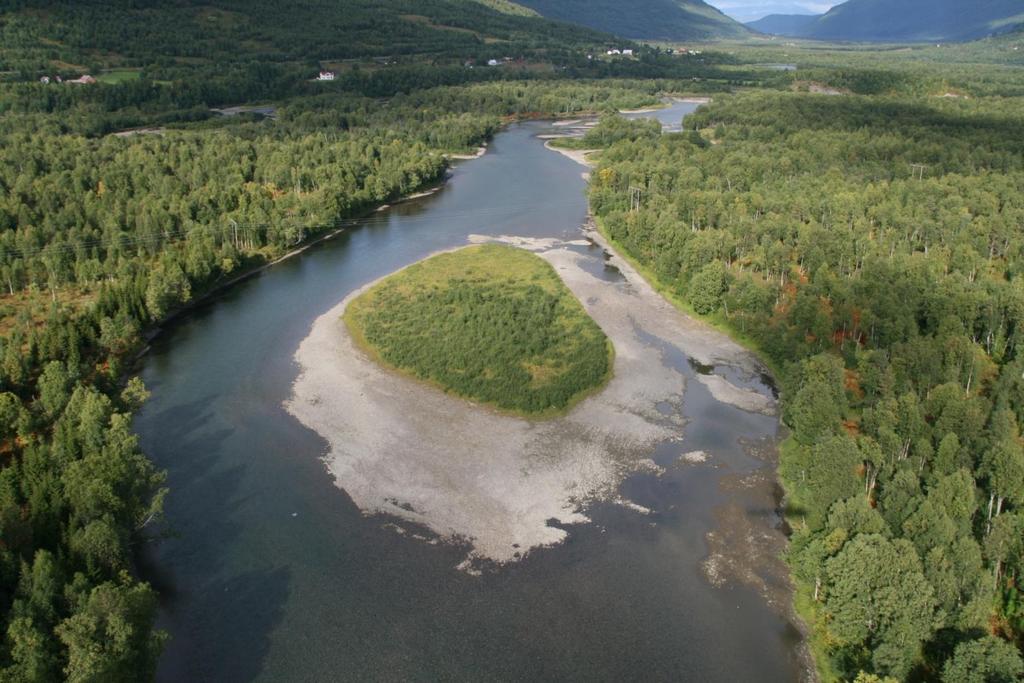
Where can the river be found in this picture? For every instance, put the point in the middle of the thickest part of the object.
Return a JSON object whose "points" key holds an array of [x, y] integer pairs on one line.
{"points": [[273, 574]]}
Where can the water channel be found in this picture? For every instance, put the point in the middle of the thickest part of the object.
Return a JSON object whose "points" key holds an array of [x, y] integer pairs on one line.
{"points": [[273, 574]]}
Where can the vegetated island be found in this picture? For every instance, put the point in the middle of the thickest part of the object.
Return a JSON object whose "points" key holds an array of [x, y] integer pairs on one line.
{"points": [[490, 323]]}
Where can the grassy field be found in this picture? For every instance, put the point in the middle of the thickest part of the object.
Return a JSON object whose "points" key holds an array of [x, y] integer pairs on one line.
{"points": [[491, 324], [115, 76]]}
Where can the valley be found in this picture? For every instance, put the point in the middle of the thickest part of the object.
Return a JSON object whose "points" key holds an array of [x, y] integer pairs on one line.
{"points": [[482, 339]]}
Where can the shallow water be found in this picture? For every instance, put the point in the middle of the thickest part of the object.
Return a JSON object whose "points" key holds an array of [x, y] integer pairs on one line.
{"points": [[671, 117], [274, 575]]}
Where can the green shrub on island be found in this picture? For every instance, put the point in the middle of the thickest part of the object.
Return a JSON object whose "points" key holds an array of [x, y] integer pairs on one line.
{"points": [[490, 323]]}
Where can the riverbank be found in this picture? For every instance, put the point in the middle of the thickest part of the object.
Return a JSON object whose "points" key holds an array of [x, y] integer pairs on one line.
{"points": [[219, 288], [580, 156], [735, 527], [254, 270], [723, 556], [720, 388], [480, 151]]}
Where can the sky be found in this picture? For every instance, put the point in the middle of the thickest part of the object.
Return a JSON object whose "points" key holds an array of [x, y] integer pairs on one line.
{"points": [[749, 10]]}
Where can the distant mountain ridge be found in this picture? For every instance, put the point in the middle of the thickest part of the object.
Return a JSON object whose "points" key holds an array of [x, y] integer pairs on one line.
{"points": [[785, 24], [643, 19], [901, 21]]}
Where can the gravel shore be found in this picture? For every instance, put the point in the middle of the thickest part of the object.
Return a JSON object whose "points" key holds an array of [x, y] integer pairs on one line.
{"points": [[490, 480], [580, 156]]}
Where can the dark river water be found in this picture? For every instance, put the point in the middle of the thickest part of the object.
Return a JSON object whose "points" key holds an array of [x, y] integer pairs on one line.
{"points": [[273, 574]]}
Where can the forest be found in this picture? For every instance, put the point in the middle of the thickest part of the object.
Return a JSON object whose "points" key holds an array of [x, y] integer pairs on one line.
{"points": [[871, 249], [492, 324]]}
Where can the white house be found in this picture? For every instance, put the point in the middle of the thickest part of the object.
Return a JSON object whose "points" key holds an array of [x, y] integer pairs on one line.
{"points": [[44, 80], [493, 62], [326, 76], [627, 52], [615, 51]]}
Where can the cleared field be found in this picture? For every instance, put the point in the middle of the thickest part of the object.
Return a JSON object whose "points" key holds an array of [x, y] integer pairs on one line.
{"points": [[119, 76], [489, 323]]}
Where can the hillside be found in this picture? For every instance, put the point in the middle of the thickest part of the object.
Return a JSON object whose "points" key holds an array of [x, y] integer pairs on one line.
{"points": [[784, 24], [509, 7], [91, 35], [903, 21], [650, 19]]}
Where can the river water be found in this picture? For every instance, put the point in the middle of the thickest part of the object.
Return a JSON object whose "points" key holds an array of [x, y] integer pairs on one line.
{"points": [[671, 116], [273, 574]]}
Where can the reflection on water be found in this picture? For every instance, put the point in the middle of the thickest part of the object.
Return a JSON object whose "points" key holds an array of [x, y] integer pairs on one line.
{"points": [[274, 575], [700, 368], [597, 263]]}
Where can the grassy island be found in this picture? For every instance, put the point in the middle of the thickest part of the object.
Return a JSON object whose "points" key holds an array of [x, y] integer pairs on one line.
{"points": [[490, 323]]}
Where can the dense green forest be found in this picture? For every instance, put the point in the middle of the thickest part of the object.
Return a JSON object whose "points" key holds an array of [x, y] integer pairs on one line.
{"points": [[491, 323], [872, 249]]}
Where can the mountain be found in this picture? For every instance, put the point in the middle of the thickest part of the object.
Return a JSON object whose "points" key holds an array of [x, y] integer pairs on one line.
{"points": [[903, 21], [643, 19], [784, 24], [746, 11]]}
